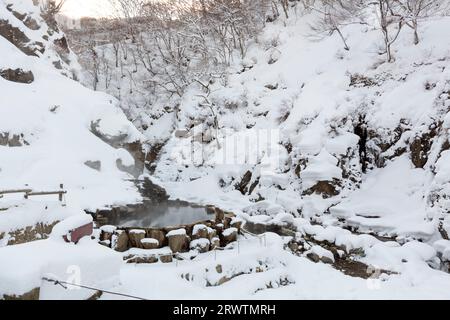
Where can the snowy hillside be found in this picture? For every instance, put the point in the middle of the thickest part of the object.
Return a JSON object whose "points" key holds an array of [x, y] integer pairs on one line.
{"points": [[339, 145], [51, 126], [337, 160]]}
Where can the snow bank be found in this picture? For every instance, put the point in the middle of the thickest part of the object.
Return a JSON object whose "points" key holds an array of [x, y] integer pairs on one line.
{"points": [[87, 263]]}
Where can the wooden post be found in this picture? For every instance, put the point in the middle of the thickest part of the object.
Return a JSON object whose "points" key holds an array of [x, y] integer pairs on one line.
{"points": [[60, 196]]}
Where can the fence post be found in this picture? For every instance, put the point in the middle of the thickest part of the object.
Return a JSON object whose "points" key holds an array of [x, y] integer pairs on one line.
{"points": [[60, 195]]}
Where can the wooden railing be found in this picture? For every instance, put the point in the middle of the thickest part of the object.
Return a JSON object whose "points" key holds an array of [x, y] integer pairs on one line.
{"points": [[30, 193]]}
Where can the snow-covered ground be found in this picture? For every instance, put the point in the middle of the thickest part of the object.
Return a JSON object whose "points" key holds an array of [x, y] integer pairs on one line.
{"points": [[293, 120]]}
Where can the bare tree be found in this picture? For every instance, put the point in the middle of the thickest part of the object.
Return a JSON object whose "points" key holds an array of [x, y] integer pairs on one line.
{"points": [[389, 19], [49, 10], [334, 15], [415, 10]]}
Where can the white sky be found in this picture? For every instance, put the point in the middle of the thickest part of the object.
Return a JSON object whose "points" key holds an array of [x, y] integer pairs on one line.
{"points": [[87, 8]]}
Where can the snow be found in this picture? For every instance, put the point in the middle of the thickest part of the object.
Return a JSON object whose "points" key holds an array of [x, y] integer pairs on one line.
{"points": [[305, 280], [23, 266], [61, 141], [67, 225], [108, 228], [177, 232], [290, 123], [137, 231], [391, 200], [229, 232], [150, 241], [197, 228]]}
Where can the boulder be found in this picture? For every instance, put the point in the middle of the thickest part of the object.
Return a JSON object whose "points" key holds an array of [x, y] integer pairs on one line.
{"points": [[150, 243], [211, 233], [201, 245], [215, 243], [242, 186], [166, 258], [228, 217], [141, 259], [17, 75], [236, 223], [178, 240], [314, 257], [135, 236], [96, 165], [219, 215], [158, 235], [107, 232], [120, 241], [200, 231], [229, 235]]}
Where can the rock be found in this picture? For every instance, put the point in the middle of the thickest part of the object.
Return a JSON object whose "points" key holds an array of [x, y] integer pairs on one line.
{"points": [[181, 133], [106, 243], [211, 233], [313, 257], [30, 295], [153, 192], [96, 165], [120, 241], [325, 188], [17, 75], [201, 245], [293, 246], [31, 233], [178, 240], [158, 235], [135, 237], [242, 186], [228, 217], [200, 231], [219, 268], [255, 227], [271, 86], [236, 223], [19, 39], [107, 232], [327, 260], [215, 243], [229, 235], [150, 243], [105, 236], [141, 259], [210, 209], [219, 215], [166, 258], [12, 140]]}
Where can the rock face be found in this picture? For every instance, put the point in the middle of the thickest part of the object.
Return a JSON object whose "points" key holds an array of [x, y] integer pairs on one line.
{"points": [[242, 186], [17, 75], [95, 165], [325, 188], [31, 233], [30, 295], [153, 192], [19, 39]]}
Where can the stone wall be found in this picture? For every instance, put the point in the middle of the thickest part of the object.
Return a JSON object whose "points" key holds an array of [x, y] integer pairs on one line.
{"points": [[202, 236], [31, 233]]}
